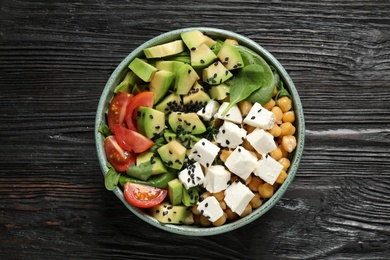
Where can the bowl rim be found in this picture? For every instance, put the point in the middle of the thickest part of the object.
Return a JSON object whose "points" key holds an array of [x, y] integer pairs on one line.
{"points": [[118, 75]]}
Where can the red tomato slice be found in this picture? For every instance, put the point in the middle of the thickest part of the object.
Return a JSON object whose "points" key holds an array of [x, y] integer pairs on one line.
{"points": [[131, 140], [143, 196], [119, 158], [117, 109], [144, 99]]}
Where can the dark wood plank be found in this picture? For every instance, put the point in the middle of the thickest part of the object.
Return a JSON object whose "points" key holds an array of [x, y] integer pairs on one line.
{"points": [[55, 58]]}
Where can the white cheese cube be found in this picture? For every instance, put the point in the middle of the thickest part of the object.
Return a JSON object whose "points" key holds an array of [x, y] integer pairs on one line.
{"points": [[241, 162], [262, 141], [192, 176], [233, 115], [210, 208], [238, 196], [268, 169], [260, 117], [204, 152], [208, 111], [230, 135], [217, 178]]}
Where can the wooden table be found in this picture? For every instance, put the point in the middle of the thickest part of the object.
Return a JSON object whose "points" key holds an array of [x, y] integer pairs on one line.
{"points": [[55, 58]]}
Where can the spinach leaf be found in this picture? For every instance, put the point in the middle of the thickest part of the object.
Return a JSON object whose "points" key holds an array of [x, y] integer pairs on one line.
{"points": [[104, 129], [247, 80], [264, 93], [111, 179], [142, 171], [159, 181]]}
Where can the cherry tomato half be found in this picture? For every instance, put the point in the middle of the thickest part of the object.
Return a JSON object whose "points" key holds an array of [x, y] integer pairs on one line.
{"points": [[131, 140], [144, 99], [119, 158], [117, 109], [143, 196]]}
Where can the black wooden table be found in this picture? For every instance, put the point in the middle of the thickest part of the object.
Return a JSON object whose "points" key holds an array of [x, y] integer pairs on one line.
{"points": [[55, 58]]}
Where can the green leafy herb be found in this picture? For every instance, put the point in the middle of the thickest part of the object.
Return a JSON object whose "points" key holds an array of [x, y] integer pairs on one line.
{"points": [[104, 129], [157, 144], [247, 80], [142, 171], [264, 93], [159, 181], [111, 179]]}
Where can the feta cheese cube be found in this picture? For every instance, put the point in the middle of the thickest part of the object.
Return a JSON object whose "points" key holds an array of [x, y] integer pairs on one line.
{"points": [[204, 152], [217, 178], [241, 162], [262, 141], [230, 135], [233, 115], [210, 208], [209, 110], [238, 196], [268, 169], [192, 176], [260, 117]]}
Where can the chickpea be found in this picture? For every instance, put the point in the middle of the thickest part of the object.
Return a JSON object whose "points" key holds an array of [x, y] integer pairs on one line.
{"points": [[247, 211], [275, 91], [277, 154], [245, 107], [269, 105], [248, 180], [219, 195], [225, 154], [220, 221], [231, 215], [278, 114], [285, 162], [204, 195], [195, 210], [256, 201], [287, 129], [276, 131], [282, 177], [247, 145], [284, 152], [222, 204], [249, 129], [232, 41], [288, 116], [289, 142], [254, 184], [284, 103], [204, 221], [266, 190]]}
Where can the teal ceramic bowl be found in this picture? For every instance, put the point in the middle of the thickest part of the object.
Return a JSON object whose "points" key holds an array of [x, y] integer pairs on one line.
{"points": [[119, 74]]}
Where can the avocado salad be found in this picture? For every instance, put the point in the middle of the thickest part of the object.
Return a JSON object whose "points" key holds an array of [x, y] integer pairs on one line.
{"points": [[200, 131]]}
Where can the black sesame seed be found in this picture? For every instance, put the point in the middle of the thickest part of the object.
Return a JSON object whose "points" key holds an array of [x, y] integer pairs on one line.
{"points": [[223, 131], [258, 111], [189, 71], [227, 115], [226, 72], [202, 61], [151, 116], [207, 165], [239, 150], [157, 211], [157, 127], [203, 143], [169, 219], [227, 58], [170, 207], [206, 205], [216, 63], [215, 75], [253, 117], [227, 142], [193, 48], [165, 212]]}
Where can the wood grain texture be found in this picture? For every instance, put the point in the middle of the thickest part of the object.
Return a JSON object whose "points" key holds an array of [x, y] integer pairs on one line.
{"points": [[55, 58]]}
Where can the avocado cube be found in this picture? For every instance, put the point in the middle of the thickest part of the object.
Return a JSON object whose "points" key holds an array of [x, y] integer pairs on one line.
{"points": [[170, 214], [165, 49], [189, 123], [216, 73], [150, 122], [160, 84], [230, 57], [175, 191], [157, 166], [186, 77], [202, 56], [142, 69], [172, 154]]}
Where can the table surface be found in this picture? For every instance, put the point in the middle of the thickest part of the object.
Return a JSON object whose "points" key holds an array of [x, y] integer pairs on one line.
{"points": [[55, 58]]}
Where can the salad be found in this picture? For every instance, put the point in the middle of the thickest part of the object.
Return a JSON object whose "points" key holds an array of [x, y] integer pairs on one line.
{"points": [[199, 131]]}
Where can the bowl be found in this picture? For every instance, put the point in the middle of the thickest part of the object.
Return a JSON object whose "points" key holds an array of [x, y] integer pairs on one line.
{"points": [[119, 73]]}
